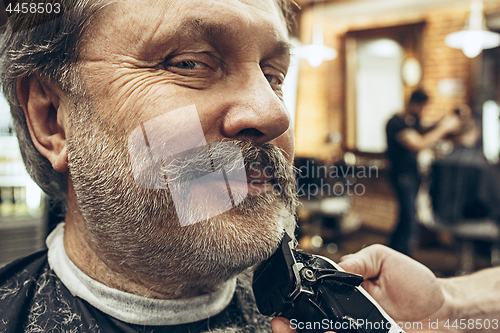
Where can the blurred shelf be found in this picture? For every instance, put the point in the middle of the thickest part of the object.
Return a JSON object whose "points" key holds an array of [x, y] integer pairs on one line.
{"points": [[14, 181], [20, 236]]}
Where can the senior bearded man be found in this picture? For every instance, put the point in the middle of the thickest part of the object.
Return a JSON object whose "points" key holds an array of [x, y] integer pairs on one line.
{"points": [[121, 107]]}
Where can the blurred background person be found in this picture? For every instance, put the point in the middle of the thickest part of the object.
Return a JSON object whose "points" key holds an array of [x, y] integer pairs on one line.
{"points": [[470, 132], [405, 138]]}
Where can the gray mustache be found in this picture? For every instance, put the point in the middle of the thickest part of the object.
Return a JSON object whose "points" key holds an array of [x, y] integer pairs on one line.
{"points": [[226, 157]]}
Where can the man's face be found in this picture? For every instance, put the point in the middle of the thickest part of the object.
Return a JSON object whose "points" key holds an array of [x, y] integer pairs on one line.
{"points": [[225, 59], [416, 109]]}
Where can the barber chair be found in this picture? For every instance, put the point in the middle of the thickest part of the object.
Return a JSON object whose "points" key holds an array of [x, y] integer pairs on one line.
{"points": [[464, 192]]}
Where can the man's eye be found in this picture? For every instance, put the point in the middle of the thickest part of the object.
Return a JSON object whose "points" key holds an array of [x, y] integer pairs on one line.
{"points": [[186, 64], [270, 78], [275, 80]]}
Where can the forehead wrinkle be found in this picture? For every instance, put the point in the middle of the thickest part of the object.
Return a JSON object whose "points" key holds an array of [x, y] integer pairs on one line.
{"points": [[210, 32], [170, 26], [215, 33]]}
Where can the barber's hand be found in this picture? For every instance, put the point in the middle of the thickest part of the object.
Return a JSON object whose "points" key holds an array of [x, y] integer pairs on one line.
{"points": [[282, 325], [450, 123], [407, 290]]}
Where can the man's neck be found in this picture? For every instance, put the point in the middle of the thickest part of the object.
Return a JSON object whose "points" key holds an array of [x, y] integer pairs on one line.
{"points": [[125, 306], [77, 241], [88, 262]]}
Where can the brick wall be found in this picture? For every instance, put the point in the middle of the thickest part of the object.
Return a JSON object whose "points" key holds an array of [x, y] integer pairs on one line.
{"points": [[440, 61]]}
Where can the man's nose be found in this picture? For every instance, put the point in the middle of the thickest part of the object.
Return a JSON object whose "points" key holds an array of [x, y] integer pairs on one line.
{"points": [[254, 112]]}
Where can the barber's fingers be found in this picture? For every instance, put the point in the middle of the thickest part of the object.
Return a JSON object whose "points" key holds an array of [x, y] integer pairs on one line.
{"points": [[451, 123], [367, 262], [281, 325]]}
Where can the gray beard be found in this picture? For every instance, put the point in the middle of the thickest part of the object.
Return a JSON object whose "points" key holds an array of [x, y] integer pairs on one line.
{"points": [[136, 231]]}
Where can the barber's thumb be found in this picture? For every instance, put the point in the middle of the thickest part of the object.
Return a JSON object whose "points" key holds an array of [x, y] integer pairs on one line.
{"points": [[281, 325], [352, 264], [368, 261]]}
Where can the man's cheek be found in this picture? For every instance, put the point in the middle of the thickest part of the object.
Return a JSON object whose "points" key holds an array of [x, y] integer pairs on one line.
{"points": [[286, 143], [129, 103]]}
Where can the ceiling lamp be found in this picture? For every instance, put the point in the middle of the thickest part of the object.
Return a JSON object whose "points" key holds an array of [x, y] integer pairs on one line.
{"points": [[475, 37], [317, 52]]}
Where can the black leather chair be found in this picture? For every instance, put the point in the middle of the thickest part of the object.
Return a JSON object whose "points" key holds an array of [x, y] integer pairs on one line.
{"points": [[465, 196]]}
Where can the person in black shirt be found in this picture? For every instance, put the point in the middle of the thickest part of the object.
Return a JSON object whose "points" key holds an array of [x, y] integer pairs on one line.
{"points": [[405, 139]]}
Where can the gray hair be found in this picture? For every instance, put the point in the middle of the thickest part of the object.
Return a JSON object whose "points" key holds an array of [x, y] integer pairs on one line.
{"points": [[49, 46], [287, 10]]}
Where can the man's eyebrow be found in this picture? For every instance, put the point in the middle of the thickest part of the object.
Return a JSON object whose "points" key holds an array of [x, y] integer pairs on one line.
{"points": [[210, 32], [282, 47], [215, 33]]}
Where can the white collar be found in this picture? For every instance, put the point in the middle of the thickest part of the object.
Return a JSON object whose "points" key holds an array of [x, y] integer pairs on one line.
{"points": [[128, 307]]}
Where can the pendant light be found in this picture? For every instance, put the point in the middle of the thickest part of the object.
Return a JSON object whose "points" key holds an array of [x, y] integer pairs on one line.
{"points": [[475, 37], [317, 52]]}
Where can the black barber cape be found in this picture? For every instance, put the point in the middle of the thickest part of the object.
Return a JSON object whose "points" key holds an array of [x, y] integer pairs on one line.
{"points": [[34, 299]]}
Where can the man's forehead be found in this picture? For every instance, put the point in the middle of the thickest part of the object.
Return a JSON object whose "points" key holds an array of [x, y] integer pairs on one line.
{"points": [[171, 11], [150, 24]]}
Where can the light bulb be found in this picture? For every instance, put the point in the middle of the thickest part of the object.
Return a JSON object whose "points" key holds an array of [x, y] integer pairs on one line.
{"points": [[314, 55], [317, 52], [472, 43]]}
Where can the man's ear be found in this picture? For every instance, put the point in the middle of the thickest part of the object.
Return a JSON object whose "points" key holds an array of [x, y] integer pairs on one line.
{"points": [[46, 110]]}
